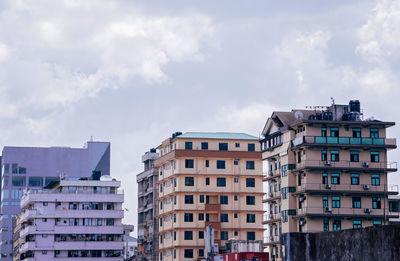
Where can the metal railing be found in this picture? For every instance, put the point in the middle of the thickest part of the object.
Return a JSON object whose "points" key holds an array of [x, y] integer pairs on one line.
{"points": [[346, 187], [346, 211], [343, 141], [347, 164]]}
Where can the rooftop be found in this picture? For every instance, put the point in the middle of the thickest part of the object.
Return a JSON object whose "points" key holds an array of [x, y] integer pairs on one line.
{"points": [[218, 135]]}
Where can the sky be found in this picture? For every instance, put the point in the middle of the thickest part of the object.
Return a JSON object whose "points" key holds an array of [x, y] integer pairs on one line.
{"points": [[133, 72]]}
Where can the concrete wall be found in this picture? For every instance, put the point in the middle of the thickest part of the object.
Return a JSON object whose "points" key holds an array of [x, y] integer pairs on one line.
{"points": [[366, 244]]}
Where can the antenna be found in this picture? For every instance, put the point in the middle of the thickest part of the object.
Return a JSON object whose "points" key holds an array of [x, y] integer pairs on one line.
{"points": [[333, 101]]}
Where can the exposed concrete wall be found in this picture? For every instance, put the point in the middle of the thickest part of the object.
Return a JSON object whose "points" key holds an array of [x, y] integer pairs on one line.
{"points": [[366, 244]]}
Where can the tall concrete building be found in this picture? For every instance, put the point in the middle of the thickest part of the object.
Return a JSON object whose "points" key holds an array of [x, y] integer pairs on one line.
{"points": [[326, 170], [208, 179], [34, 168], [147, 209], [71, 220]]}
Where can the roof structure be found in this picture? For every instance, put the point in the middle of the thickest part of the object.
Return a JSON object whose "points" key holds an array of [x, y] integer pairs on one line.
{"points": [[218, 135]]}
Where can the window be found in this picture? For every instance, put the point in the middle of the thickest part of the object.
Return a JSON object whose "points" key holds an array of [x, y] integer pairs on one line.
{"points": [[374, 133], [334, 132], [236, 162], [207, 163], [326, 225], [335, 178], [224, 235], [324, 155], [188, 145], [334, 155], [235, 215], [251, 147], [204, 145], [251, 218], [207, 181], [224, 200], [235, 197], [324, 178], [189, 199], [44, 252], [356, 133], [223, 146], [201, 198], [377, 222], [161, 186], [355, 179], [221, 182], [337, 225], [236, 233], [354, 156], [188, 217], [249, 164], [201, 234], [356, 202], [236, 179], [14, 168], [18, 181], [357, 224], [224, 217], [375, 180], [189, 181], [237, 145], [250, 182], [251, 235], [335, 202], [298, 157], [174, 218], [250, 200], [376, 202], [45, 220], [188, 253], [188, 235], [220, 164], [201, 252], [201, 216], [374, 156], [189, 163], [325, 202], [323, 132], [6, 168], [45, 203]]}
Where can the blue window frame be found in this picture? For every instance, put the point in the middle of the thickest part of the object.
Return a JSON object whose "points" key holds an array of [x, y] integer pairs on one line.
{"points": [[324, 178], [357, 224], [354, 156], [355, 179], [335, 202], [326, 224], [374, 156], [334, 155], [335, 178], [375, 180], [356, 202], [188, 145], [374, 133], [337, 225]]}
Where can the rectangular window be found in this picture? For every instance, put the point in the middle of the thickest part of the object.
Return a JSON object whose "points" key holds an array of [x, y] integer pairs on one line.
{"points": [[325, 202], [189, 163], [375, 180], [204, 145], [201, 234], [249, 164], [201, 216], [237, 145], [335, 178], [188, 217], [19, 181], [201, 199], [357, 224], [220, 164], [223, 146], [188, 253], [188, 235], [251, 147], [251, 235], [377, 222], [14, 168], [334, 155], [376, 202], [6, 168], [374, 133], [189, 199], [36, 181], [189, 181], [356, 202], [354, 156], [224, 235], [335, 202], [337, 225], [235, 197], [188, 145], [355, 179], [374, 156], [250, 182], [207, 181], [251, 218], [326, 224], [325, 178], [221, 182], [224, 217], [201, 252], [207, 163], [250, 200], [323, 132], [236, 179], [324, 155], [356, 133], [224, 200], [334, 132]]}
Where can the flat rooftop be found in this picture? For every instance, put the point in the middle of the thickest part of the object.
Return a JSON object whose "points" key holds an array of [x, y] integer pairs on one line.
{"points": [[218, 135]]}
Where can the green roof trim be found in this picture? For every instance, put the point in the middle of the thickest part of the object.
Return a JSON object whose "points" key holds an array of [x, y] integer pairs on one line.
{"points": [[218, 135]]}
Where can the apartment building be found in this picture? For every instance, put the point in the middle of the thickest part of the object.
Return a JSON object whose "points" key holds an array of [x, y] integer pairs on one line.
{"points": [[326, 170], [36, 167], [71, 220], [208, 179], [147, 208]]}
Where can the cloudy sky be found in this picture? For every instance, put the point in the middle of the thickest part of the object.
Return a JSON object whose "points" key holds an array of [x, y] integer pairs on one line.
{"points": [[133, 72]]}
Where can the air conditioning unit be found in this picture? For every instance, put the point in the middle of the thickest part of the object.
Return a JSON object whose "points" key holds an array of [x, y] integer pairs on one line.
{"points": [[366, 187], [367, 210], [302, 222], [328, 209], [271, 195], [327, 163], [302, 199], [328, 186], [365, 164]]}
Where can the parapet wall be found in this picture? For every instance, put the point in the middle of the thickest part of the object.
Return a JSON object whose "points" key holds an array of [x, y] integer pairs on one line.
{"points": [[367, 244]]}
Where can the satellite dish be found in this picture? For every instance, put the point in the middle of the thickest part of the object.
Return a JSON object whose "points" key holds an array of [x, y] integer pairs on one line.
{"points": [[298, 115]]}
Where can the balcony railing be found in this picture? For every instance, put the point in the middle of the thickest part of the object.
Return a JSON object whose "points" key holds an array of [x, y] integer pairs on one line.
{"points": [[344, 141], [271, 239], [383, 165], [342, 211], [367, 188], [271, 217]]}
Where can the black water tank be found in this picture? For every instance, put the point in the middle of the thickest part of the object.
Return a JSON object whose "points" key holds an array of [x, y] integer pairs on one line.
{"points": [[355, 106]]}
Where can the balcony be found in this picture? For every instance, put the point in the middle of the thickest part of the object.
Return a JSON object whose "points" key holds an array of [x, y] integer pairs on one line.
{"points": [[271, 218], [212, 207], [342, 165], [272, 196], [342, 212], [349, 189], [271, 240], [272, 174], [214, 225], [306, 141]]}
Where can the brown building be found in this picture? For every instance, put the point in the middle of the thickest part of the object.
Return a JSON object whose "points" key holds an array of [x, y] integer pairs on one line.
{"points": [[208, 179], [327, 170]]}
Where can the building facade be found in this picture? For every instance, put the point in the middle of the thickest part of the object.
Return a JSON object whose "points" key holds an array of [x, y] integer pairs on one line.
{"points": [[71, 220], [208, 179], [147, 208], [326, 170], [34, 168]]}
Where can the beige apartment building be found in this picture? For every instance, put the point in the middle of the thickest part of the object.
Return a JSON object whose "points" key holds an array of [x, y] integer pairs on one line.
{"points": [[326, 170], [208, 179]]}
